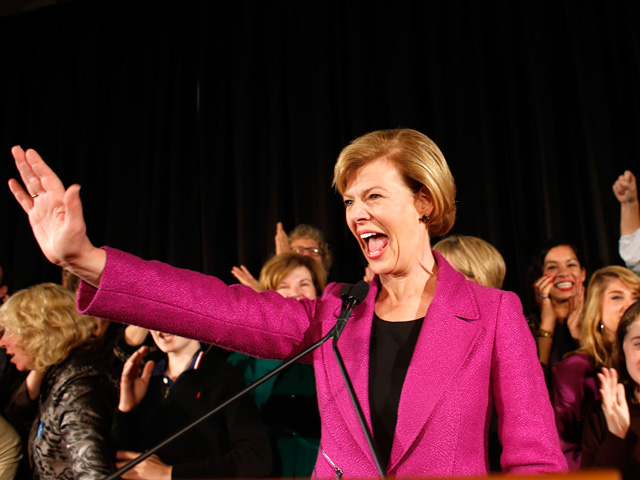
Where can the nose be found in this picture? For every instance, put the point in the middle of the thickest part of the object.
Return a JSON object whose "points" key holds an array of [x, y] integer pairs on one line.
{"points": [[357, 212]]}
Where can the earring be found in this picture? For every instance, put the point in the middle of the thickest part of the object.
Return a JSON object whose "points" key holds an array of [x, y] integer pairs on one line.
{"points": [[424, 218], [601, 326]]}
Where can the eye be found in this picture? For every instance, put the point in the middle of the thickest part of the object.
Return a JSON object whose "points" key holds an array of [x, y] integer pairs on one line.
{"points": [[347, 202], [374, 196]]}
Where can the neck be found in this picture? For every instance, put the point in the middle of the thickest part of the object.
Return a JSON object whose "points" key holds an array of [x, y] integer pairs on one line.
{"points": [[407, 297], [178, 362]]}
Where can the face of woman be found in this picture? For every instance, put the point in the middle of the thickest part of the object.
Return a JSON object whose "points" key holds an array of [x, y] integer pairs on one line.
{"points": [[22, 361], [617, 297], [298, 284], [306, 246], [169, 343], [562, 265], [383, 214], [631, 348]]}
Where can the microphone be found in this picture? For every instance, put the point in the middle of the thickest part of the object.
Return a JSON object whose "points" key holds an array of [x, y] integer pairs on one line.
{"points": [[351, 296]]}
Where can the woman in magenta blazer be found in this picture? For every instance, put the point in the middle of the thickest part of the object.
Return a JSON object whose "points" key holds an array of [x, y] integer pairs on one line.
{"points": [[428, 351]]}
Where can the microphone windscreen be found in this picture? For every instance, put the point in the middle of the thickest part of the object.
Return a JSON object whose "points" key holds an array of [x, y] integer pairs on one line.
{"points": [[359, 291], [345, 290]]}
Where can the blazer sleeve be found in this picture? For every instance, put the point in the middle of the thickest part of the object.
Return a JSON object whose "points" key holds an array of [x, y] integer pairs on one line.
{"points": [[526, 426], [157, 296]]}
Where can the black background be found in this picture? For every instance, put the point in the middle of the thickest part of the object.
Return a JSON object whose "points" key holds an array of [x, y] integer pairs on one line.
{"points": [[194, 126]]}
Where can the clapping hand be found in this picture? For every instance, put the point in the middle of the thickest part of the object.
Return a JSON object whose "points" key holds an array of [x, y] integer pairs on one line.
{"points": [[614, 403], [133, 384]]}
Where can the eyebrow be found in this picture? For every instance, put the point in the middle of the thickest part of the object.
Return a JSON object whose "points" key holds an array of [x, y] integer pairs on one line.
{"points": [[365, 192]]}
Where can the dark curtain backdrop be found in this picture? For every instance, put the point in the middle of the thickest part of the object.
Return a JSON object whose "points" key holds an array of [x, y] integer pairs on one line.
{"points": [[193, 126]]}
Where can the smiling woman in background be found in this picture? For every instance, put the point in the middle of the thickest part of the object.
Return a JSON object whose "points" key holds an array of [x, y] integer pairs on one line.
{"points": [[428, 351], [611, 290], [559, 293]]}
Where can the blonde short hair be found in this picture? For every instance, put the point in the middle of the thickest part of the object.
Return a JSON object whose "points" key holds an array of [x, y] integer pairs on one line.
{"points": [[308, 231], [46, 324], [592, 341], [420, 162], [475, 258], [278, 267]]}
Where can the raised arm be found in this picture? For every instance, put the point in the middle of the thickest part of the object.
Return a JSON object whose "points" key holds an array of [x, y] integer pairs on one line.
{"points": [[626, 191], [55, 215]]}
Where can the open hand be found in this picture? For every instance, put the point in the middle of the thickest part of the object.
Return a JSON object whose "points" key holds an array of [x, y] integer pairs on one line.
{"points": [[614, 403], [133, 384], [244, 276], [281, 239], [55, 215], [576, 305]]}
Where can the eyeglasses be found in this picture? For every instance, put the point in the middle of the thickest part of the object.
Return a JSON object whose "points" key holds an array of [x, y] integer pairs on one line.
{"points": [[314, 252]]}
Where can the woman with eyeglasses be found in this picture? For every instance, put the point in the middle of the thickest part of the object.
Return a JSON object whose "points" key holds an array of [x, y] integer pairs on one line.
{"points": [[304, 239], [428, 351]]}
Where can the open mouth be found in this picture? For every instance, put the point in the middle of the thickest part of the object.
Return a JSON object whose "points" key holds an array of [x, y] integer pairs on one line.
{"points": [[564, 285], [376, 243]]}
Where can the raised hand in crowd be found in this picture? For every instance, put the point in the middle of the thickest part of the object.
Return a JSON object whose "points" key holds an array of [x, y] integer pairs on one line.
{"points": [[55, 215], [133, 382], [626, 191], [614, 403]]}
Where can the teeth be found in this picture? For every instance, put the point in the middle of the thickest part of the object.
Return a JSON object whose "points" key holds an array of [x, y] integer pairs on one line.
{"points": [[366, 235], [564, 284]]}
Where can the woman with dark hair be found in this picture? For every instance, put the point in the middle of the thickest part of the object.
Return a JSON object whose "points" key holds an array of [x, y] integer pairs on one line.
{"points": [[612, 428], [428, 351], [559, 293]]}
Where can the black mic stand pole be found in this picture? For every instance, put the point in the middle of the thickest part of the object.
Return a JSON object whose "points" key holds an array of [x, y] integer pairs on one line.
{"points": [[333, 333]]}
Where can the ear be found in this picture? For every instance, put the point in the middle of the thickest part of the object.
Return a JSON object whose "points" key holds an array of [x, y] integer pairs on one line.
{"points": [[3, 291], [584, 274], [423, 202]]}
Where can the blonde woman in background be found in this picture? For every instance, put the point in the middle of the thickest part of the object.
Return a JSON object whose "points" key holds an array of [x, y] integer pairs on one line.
{"points": [[611, 291], [305, 240], [69, 385], [476, 259], [288, 401]]}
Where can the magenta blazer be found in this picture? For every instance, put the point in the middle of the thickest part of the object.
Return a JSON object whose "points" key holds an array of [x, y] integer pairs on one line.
{"points": [[474, 350]]}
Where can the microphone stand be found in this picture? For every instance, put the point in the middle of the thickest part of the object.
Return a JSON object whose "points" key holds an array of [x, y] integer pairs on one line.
{"points": [[334, 333]]}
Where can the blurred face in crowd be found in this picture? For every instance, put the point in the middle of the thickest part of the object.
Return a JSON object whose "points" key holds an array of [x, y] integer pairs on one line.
{"points": [[11, 343], [298, 284], [170, 343], [631, 347], [562, 266], [617, 297], [307, 246]]}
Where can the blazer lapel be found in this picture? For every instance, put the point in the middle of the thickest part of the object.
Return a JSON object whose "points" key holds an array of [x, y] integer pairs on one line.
{"points": [[447, 336], [354, 349]]}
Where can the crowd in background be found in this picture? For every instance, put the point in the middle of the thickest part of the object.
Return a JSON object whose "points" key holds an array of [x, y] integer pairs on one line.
{"points": [[83, 396]]}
